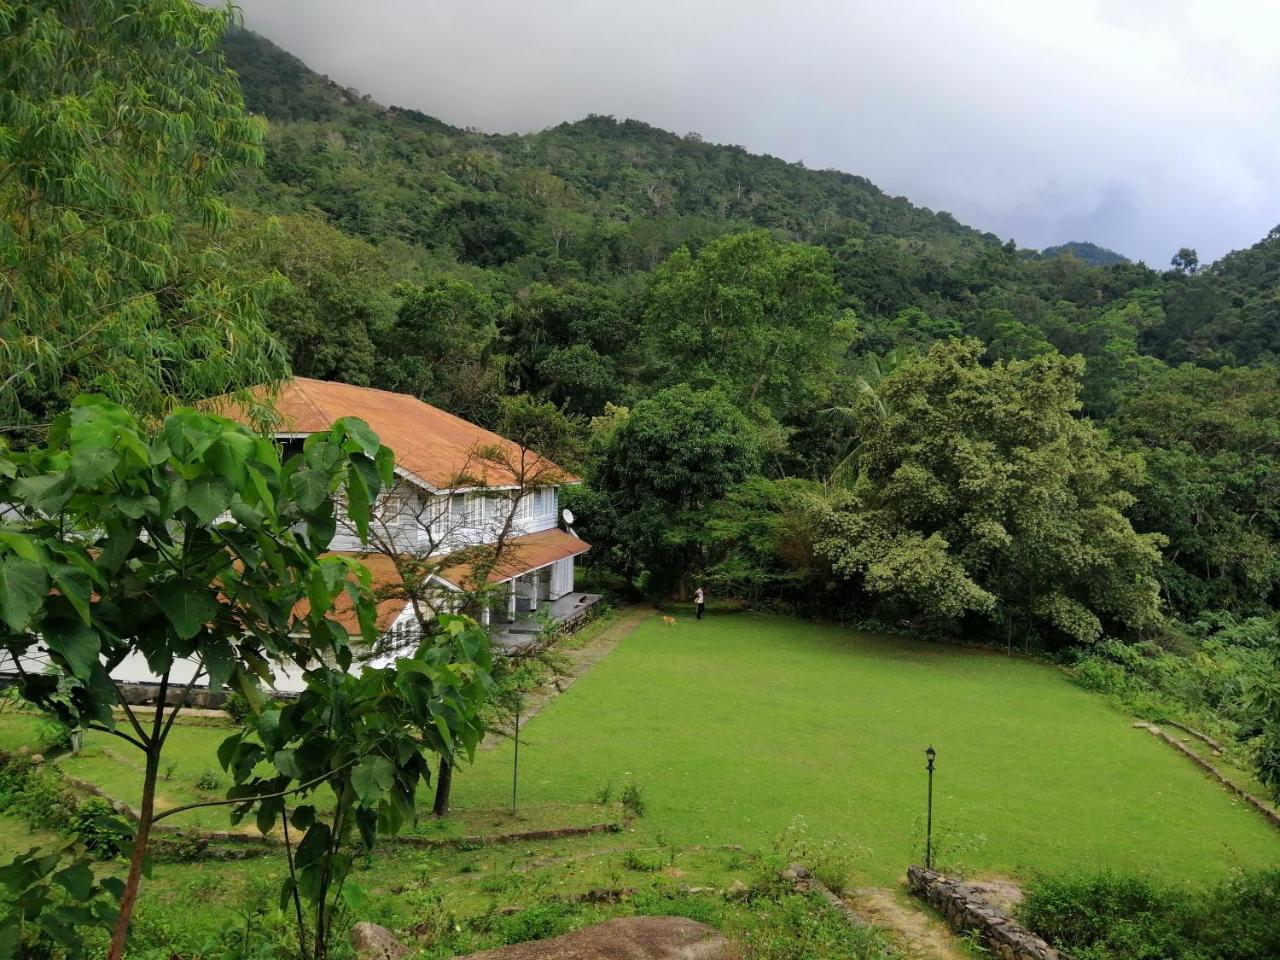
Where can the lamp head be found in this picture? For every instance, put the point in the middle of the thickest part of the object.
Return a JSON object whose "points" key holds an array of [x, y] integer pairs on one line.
{"points": [[931, 753]]}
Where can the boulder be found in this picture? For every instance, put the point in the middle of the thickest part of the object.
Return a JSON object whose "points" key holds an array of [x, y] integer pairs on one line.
{"points": [[627, 938], [372, 942]]}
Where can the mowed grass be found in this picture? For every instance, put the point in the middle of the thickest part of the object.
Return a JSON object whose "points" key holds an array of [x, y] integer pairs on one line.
{"points": [[738, 726]]}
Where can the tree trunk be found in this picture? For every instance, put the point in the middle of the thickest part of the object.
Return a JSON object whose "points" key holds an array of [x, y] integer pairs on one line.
{"points": [[444, 783], [134, 879]]}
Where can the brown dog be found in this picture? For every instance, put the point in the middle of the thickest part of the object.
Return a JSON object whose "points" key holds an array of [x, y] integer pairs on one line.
{"points": [[669, 621]]}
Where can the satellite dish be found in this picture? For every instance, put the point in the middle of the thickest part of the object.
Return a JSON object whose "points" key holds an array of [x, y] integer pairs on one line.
{"points": [[567, 514]]}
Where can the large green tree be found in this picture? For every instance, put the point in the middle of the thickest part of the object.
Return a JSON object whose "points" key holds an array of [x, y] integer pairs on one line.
{"points": [[655, 469], [120, 121], [438, 347], [1211, 442], [751, 315], [981, 495]]}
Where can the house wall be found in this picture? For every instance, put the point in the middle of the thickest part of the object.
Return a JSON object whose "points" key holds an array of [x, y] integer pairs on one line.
{"points": [[416, 521]]}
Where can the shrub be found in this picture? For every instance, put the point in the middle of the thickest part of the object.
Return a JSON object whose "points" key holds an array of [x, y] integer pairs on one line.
{"points": [[604, 794], [1113, 917], [103, 832], [643, 862], [633, 799], [53, 737], [35, 794], [237, 708], [208, 781]]}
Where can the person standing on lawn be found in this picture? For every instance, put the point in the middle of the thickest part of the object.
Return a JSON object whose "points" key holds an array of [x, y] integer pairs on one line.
{"points": [[700, 600]]}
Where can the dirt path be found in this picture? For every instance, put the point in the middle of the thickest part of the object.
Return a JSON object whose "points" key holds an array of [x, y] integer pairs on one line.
{"points": [[579, 660], [920, 934]]}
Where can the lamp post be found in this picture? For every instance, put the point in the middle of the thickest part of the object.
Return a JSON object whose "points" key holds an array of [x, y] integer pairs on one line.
{"points": [[930, 753]]}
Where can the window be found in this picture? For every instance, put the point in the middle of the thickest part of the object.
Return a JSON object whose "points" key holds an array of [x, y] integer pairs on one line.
{"points": [[546, 501], [458, 508]]}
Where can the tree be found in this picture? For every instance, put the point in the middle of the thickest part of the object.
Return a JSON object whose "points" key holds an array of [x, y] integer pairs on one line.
{"points": [[1211, 443], [336, 299], [120, 120], [750, 315], [654, 468], [193, 547], [1186, 261], [437, 347], [981, 495], [362, 739]]}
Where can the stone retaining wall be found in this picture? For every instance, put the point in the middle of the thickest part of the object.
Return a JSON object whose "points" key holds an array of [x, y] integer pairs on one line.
{"points": [[965, 910]]}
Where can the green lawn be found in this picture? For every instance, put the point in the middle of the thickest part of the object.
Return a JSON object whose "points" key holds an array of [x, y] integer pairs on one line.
{"points": [[738, 725]]}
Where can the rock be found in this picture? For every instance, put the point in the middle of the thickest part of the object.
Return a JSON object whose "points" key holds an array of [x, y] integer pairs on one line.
{"points": [[372, 942], [627, 938], [797, 871], [736, 890]]}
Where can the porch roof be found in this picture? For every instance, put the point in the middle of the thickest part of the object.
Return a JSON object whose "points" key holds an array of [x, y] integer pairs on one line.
{"points": [[520, 556]]}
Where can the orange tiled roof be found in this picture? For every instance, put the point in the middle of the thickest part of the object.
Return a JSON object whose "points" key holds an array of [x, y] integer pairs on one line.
{"points": [[428, 442], [522, 554]]}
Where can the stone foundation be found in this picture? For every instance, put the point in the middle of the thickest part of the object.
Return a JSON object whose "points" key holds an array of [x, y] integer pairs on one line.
{"points": [[966, 910]]}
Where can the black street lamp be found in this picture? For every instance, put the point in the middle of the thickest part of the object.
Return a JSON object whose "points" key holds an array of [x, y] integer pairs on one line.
{"points": [[930, 753]]}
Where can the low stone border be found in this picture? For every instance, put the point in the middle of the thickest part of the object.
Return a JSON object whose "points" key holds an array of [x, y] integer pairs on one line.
{"points": [[966, 911], [802, 878], [1268, 811], [1202, 737], [521, 837]]}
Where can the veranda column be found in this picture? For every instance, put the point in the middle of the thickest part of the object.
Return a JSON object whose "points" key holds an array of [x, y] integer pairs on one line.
{"points": [[511, 600], [533, 591], [484, 613]]}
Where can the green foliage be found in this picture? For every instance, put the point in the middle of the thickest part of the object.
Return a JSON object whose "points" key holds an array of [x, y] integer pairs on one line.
{"points": [[364, 739], [632, 798], [104, 833], [51, 903], [190, 539], [436, 345], [749, 315], [654, 469], [1211, 443], [237, 707], [1117, 917], [121, 120], [979, 494]]}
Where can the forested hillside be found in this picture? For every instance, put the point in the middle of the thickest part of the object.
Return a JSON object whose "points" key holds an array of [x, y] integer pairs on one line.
{"points": [[601, 262]]}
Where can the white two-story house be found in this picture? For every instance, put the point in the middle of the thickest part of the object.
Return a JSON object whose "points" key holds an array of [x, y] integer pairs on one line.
{"points": [[467, 501]]}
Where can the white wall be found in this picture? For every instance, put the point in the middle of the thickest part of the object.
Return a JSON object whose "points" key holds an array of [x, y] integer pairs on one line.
{"points": [[415, 520]]}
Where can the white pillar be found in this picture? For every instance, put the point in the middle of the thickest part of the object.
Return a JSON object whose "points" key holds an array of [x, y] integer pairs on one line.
{"points": [[511, 601], [533, 591], [484, 614]]}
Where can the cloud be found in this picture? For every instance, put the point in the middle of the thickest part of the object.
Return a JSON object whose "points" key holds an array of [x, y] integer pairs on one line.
{"points": [[1143, 126]]}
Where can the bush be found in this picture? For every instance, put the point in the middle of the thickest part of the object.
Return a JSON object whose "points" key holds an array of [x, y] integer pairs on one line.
{"points": [[208, 781], [32, 793], [237, 708], [52, 736], [1114, 917], [633, 799], [103, 832]]}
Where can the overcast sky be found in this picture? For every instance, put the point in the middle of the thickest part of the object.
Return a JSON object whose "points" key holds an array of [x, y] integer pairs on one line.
{"points": [[1142, 125]]}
